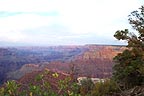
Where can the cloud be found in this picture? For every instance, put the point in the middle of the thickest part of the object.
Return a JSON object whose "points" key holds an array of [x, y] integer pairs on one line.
{"points": [[11, 28], [86, 16], [63, 21], [27, 5]]}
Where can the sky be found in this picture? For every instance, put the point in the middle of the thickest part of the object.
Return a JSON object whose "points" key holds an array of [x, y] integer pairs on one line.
{"points": [[63, 22]]}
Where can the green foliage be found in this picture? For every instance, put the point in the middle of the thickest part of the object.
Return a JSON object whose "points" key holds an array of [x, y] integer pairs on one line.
{"points": [[86, 87], [12, 88], [106, 88], [65, 87], [129, 65], [128, 70]]}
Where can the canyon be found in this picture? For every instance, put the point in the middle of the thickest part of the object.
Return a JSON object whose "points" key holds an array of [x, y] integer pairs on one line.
{"points": [[85, 60]]}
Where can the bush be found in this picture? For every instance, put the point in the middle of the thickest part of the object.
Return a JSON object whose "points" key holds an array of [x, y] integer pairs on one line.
{"points": [[106, 88], [86, 86], [65, 88]]}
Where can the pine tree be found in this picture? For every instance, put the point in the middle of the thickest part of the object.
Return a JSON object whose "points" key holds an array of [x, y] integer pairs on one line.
{"points": [[128, 70]]}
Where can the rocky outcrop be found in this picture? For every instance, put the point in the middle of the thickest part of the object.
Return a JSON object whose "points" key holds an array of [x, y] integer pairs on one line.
{"points": [[27, 68]]}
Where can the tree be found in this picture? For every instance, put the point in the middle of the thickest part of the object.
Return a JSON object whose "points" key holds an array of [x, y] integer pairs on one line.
{"points": [[128, 70], [73, 70]]}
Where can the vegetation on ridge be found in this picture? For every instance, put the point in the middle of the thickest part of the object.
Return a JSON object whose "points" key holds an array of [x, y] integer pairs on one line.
{"points": [[48, 83]]}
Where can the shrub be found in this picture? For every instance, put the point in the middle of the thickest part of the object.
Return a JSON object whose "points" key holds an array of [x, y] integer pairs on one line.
{"points": [[65, 87], [106, 88]]}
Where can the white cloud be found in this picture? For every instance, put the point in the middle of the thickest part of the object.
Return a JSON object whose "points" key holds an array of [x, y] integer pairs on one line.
{"points": [[26, 5], [86, 16], [11, 27], [24, 21], [81, 17], [11, 36]]}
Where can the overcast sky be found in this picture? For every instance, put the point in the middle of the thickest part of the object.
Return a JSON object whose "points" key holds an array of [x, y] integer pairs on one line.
{"points": [[63, 22]]}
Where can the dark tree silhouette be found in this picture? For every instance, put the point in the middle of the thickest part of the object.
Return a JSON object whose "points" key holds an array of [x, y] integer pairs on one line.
{"points": [[128, 70]]}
